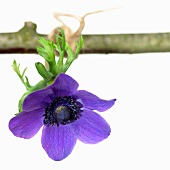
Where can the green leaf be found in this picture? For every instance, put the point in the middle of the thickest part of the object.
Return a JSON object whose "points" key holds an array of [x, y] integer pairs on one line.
{"points": [[47, 51], [60, 47], [72, 56], [79, 46], [16, 68], [43, 71]]}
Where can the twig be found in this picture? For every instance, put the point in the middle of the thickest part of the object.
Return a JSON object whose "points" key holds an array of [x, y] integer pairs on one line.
{"points": [[26, 39]]}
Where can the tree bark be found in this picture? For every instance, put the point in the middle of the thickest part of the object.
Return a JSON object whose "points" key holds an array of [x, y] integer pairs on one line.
{"points": [[26, 40]]}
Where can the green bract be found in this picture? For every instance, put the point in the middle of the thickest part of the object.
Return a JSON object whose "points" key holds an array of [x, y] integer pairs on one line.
{"points": [[21, 75], [46, 50]]}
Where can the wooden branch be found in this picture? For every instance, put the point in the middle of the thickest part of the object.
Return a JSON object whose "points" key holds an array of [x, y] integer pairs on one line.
{"points": [[25, 41]]}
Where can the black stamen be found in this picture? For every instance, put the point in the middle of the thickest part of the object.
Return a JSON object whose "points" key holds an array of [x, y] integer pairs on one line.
{"points": [[62, 110]]}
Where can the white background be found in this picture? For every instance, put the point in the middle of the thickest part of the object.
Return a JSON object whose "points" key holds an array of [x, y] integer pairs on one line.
{"points": [[140, 137]]}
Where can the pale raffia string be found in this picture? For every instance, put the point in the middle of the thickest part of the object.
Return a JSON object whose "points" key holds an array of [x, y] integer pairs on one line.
{"points": [[71, 36]]}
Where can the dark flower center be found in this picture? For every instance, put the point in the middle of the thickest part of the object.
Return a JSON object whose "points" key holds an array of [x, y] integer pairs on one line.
{"points": [[62, 110]]}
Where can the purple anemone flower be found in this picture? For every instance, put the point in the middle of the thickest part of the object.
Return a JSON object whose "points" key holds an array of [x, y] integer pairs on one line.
{"points": [[66, 114]]}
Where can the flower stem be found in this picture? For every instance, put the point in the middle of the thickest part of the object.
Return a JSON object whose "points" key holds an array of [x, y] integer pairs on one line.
{"points": [[40, 85]]}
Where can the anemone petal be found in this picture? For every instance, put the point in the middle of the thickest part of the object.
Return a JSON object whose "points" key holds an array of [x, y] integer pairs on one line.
{"points": [[93, 102], [64, 85], [37, 99], [27, 124], [91, 128], [58, 142]]}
